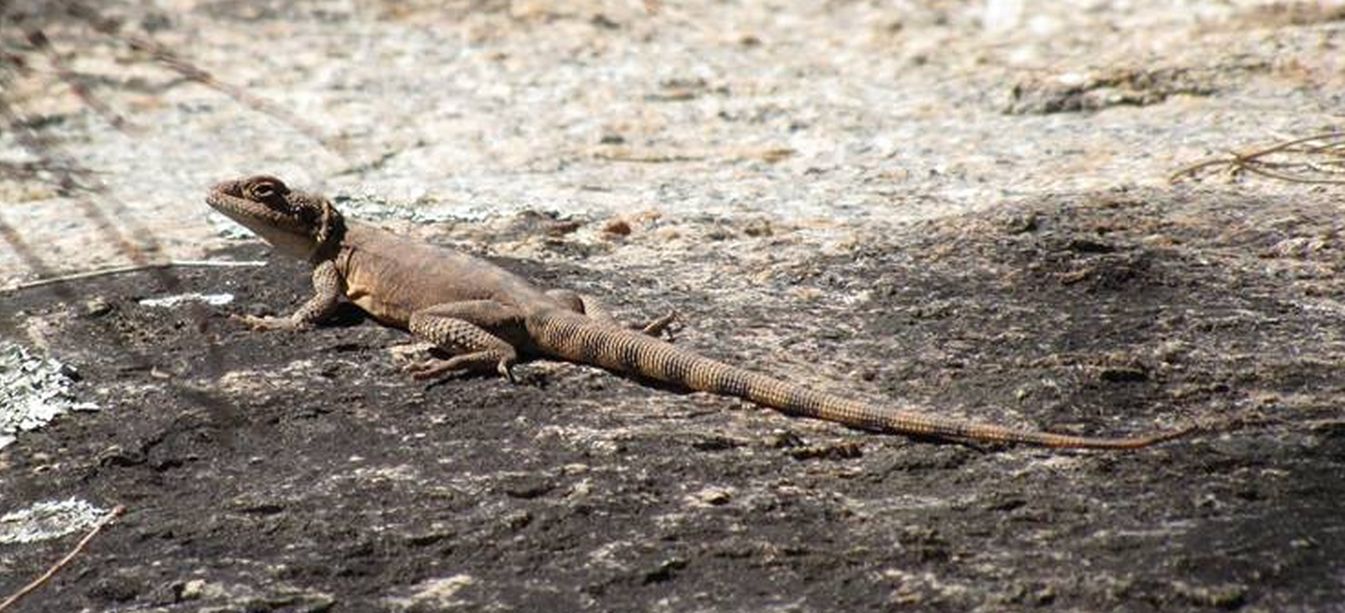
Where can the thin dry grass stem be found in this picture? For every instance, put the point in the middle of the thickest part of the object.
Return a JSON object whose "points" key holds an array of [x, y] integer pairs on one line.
{"points": [[55, 568], [90, 274], [1315, 159], [31, 27], [89, 197], [39, 41], [195, 73]]}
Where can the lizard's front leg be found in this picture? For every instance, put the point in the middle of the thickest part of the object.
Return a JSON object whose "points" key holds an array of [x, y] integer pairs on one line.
{"points": [[327, 289], [464, 329]]}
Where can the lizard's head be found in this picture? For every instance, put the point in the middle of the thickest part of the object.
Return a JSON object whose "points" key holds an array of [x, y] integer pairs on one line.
{"points": [[297, 223]]}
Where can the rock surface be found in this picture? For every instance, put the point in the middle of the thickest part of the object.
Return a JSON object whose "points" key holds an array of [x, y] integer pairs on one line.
{"points": [[943, 205]]}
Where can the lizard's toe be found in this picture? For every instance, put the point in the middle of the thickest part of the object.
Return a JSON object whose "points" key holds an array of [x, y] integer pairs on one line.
{"points": [[479, 362], [428, 369], [269, 323], [505, 367]]}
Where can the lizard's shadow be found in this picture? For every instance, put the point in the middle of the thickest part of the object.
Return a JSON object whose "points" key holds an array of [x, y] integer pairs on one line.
{"points": [[347, 315], [539, 379], [662, 386]]}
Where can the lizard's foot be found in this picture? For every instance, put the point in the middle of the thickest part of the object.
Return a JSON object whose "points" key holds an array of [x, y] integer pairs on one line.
{"points": [[505, 368], [481, 361], [271, 323], [432, 368], [659, 326]]}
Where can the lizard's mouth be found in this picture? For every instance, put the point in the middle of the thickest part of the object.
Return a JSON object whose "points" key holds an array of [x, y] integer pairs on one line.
{"points": [[275, 220], [232, 199]]}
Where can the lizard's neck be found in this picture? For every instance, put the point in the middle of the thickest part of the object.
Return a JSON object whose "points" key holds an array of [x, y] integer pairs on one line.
{"points": [[329, 240]]}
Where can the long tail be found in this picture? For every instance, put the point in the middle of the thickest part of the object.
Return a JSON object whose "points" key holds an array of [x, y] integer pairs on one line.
{"points": [[582, 340]]}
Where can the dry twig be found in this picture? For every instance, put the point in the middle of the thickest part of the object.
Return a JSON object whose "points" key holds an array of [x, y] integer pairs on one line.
{"points": [[55, 568], [1319, 158], [136, 268]]}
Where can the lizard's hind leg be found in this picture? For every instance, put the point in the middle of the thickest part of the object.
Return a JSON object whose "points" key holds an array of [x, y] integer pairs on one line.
{"points": [[658, 326], [594, 308], [578, 303], [467, 330]]}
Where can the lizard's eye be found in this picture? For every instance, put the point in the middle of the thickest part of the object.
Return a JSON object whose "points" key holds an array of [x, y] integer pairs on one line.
{"points": [[263, 191]]}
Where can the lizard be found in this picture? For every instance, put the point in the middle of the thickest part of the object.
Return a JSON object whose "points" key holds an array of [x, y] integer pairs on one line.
{"points": [[484, 318]]}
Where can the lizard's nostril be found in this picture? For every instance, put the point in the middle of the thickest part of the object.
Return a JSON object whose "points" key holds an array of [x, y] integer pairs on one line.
{"points": [[226, 187]]}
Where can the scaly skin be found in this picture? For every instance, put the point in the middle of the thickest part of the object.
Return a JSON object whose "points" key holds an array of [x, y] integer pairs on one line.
{"points": [[485, 317]]}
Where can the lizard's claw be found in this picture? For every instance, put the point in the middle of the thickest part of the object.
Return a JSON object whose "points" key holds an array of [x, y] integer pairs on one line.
{"points": [[505, 367], [271, 323]]}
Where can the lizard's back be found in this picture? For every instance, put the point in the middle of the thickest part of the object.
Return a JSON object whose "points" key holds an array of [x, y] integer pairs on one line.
{"points": [[391, 277]]}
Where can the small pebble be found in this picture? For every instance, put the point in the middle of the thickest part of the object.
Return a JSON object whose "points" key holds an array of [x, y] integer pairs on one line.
{"points": [[618, 227], [96, 307]]}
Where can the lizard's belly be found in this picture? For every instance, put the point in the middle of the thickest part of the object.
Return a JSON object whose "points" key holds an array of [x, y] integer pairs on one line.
{"points": [[377, 304]]}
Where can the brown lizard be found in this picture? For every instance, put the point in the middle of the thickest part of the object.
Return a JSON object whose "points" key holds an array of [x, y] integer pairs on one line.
{"points": [[485, 317]]}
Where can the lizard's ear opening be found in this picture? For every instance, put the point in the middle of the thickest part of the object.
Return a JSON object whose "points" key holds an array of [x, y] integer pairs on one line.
{"points": [[329, 221]]}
